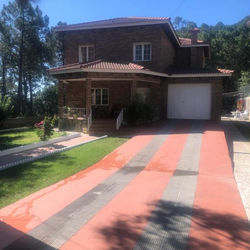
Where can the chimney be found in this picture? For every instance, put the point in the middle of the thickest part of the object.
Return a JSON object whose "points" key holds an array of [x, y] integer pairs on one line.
{"points": [[194, 33]]}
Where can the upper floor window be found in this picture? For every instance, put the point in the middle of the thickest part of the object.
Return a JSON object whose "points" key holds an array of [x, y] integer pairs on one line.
{"points": [[86, 53], [142, 51]]}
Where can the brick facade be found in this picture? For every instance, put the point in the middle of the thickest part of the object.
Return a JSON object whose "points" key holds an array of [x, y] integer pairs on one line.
{"points": [[117, 45], [78, 94]]}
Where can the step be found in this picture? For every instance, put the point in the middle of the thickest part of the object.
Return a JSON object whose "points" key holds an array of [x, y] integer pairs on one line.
{"points": [[103, 126], [103, 121]]}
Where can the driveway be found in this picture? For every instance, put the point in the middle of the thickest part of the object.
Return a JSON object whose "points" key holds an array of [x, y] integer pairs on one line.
{"points": [[173, 189]]}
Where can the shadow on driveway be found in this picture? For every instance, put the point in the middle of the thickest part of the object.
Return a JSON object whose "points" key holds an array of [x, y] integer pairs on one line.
{"points": [[228, 229]]}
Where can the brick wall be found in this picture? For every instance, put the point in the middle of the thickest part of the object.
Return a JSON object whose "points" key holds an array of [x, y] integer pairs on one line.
{"points": [[117, 45], [75, 94], [190, 57], [120, 93]]}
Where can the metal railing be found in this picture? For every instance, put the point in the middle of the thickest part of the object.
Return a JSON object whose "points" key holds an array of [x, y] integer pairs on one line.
{"points": [[119, 120], [72, 113], [89, 119]]}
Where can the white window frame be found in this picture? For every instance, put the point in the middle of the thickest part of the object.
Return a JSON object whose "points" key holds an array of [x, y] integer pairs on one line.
{"points": [[87, 54], [142, 44], [94, 104]]}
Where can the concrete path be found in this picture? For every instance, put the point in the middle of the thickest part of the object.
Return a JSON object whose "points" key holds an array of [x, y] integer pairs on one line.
{"points": [[30, 154], [240, 150], [173, 189]]}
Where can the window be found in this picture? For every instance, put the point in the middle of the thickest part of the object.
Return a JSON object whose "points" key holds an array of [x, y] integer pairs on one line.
{"points": [[86, 53], [142, 51], [99, 96]]}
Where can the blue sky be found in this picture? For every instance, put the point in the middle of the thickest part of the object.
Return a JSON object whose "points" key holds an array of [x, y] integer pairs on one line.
{"points": [[199, 11]]}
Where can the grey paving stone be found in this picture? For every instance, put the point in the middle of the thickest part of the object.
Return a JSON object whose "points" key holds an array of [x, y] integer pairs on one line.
{"points": [[169, 225]]}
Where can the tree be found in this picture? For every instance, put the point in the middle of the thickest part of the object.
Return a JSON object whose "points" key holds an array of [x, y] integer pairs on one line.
{"points": [[30, 55], [46, 101], [5, 107], [244, 79]]}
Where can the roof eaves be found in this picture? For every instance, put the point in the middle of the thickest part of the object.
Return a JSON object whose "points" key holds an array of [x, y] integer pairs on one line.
{"points": [[147, 72], [195, 45], [113, 25]]}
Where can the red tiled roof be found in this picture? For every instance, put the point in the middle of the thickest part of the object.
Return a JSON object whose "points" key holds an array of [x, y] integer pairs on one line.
{"points": [[187, 41], [99, 64], [122, 21]]}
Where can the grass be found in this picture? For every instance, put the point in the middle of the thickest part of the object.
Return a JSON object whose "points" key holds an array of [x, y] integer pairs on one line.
{"points": [[20, 138], [20, 181]]}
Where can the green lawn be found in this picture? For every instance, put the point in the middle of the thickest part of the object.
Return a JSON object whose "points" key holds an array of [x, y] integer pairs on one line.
{"points": [[19, 138], [20, 181]]}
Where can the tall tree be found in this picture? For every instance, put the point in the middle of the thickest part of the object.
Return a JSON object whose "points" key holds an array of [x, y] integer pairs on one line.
{"points": [[30, 53]]}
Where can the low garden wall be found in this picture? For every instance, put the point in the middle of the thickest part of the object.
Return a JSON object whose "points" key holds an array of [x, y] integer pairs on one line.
{"points": [[20, 122]]}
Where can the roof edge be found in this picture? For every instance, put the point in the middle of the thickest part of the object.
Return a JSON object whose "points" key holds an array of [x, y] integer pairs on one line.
{"points": [[147, 72], [114, 25]]}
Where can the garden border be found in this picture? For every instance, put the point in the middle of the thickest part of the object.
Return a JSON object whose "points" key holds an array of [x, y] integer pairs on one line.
{"points": [[30, 159], [38, 144]]}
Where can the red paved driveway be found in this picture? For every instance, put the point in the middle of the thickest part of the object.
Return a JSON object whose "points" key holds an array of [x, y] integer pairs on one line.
{"points": [[168, 190]]}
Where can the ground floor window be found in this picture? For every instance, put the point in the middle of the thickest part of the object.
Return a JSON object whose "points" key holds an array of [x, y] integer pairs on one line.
{"points": [[99, 96]]}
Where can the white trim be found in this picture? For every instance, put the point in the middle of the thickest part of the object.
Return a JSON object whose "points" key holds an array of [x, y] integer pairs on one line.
{"points": [[87, 46], [109, 79], [199, 75], [67, 28], [173, 31], [146, 72], [142, 55]]}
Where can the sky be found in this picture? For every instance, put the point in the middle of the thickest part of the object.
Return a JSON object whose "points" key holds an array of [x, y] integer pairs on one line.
{"points": [[199, 11]]}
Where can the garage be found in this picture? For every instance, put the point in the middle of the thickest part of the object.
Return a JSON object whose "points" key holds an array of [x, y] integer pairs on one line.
{"points": [[189, 101]]}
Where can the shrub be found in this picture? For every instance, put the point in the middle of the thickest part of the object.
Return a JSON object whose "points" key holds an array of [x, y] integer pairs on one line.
{"points": [[140, 110], [5, 108], [45, 128]]}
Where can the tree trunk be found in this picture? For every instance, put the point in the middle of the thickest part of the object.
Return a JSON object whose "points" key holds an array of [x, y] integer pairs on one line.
{"points": [[3, 90], [31, 96], [25, 88], [20, 71]]}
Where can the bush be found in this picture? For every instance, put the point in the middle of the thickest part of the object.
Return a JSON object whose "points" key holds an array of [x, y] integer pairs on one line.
{"points": [[140, 110], [5, 108], [45, 128]]}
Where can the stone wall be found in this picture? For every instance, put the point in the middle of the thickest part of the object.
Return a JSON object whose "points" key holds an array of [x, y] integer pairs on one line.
{"points": [[20, 122]]}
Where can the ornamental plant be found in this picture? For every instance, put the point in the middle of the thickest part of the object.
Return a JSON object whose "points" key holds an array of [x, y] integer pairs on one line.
{"points": [[45, 128]]}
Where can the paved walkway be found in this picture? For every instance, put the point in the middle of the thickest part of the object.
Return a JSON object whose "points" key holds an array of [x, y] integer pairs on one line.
{"points": [[173, 189], [240, 150], [32, 153]]}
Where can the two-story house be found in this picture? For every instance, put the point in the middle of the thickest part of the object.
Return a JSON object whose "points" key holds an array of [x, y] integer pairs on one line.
{"points": [[107, 62]]}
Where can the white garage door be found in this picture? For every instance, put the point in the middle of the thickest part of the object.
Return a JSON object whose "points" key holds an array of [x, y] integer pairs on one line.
{"points": [[189, 101]]}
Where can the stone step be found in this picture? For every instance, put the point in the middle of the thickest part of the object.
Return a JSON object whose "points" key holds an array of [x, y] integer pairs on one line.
{"points": [[107, 121], [102, 126]]}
